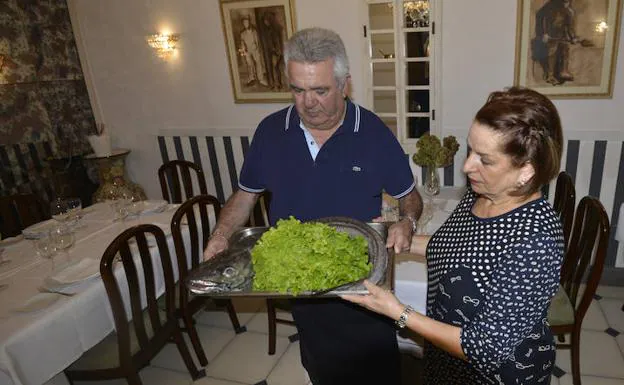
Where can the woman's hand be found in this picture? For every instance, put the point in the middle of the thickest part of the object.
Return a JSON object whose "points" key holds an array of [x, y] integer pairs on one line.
{"points": [[378, 300]]}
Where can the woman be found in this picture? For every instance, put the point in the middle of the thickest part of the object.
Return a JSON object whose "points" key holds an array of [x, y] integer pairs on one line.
{"points": [[494, 265]]}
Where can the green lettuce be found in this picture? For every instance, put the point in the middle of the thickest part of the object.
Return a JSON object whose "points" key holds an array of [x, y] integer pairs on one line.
{"points": [[295, 257]]}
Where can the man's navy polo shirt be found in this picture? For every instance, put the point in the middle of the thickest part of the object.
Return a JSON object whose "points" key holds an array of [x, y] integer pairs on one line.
{"points": [[359, 161]]}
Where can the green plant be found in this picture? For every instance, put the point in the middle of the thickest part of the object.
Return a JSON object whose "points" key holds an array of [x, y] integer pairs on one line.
{"points": [[430, 152]]}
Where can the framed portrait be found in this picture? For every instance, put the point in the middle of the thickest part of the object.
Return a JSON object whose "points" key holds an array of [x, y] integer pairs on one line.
{"points": [[255, 33], [567, 48]]}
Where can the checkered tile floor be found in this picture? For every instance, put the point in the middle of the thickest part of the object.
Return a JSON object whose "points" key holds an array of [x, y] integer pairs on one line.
{"points": [[242, 359]]}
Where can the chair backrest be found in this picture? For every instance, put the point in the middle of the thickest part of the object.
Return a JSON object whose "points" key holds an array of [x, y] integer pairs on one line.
{"points": [[18, 212], [586, 253], [177, 174], [260, 215], [196, 212], [565, 200], [140, 278]]}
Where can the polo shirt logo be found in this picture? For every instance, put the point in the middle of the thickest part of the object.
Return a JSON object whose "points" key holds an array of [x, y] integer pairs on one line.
{"points": [[356, 169]]}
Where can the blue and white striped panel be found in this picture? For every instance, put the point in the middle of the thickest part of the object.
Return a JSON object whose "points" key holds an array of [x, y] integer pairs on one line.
{"points": [[221, 158], [597, 167]]}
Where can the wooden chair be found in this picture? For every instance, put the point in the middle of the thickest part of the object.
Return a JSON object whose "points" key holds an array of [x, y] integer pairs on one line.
{"points": [[131, 347], [259, 217], [177, 174], [586, 255], [195, 213], [18, 212], [565, 200]]}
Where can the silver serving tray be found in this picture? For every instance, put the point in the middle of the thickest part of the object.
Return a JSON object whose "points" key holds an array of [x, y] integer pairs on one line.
{"points": [[230, 273]]}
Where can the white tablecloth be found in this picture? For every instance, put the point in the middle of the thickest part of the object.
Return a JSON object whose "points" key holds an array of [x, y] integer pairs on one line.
{"points": [[35, 346], [410, 278]]}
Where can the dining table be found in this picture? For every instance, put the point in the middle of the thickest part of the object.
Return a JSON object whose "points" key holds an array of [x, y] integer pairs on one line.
{"points": [[52, 310], [410, 270]]}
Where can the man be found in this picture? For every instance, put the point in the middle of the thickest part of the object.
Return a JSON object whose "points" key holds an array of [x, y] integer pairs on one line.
{"points": [[326, 156], [554, 33], [271, 36], [250, 48]]}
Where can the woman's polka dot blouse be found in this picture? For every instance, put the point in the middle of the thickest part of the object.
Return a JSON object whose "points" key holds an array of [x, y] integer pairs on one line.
{"points": [[494, 278]]}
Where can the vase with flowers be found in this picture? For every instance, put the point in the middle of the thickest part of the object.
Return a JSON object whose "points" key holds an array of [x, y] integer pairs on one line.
{"points": [[431, 153]]}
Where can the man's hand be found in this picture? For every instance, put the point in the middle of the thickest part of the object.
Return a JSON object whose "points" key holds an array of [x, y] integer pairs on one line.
{"points": [[233, 215], [215, 245], [400, 236]]}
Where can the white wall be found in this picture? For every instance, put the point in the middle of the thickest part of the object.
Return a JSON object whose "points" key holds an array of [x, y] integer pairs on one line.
{"points": [[478, 54], [138, 94]]}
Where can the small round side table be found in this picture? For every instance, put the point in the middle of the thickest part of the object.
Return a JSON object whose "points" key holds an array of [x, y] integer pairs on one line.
{"points": [[114, 183]]}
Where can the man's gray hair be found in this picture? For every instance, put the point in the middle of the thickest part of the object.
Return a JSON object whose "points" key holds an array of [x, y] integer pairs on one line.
{"points": [[314, 45]]}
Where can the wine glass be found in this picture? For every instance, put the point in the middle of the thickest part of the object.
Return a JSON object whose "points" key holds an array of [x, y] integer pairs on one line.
{"points": [[74, 207], [63, 239], [119, 209], [45, 246], [135, 208], [59, 210]]}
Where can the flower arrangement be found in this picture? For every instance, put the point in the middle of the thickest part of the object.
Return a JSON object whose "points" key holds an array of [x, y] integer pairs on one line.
{"points": [[430, 152]]}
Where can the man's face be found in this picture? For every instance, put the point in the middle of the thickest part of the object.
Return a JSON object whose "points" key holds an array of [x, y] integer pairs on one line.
{"points": [[245, 23], [319, 101]]}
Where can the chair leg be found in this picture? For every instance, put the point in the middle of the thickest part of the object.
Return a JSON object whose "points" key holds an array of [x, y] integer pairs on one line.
{"points": [[186, 356], [233, 317], [134, 379], [272, 326], [71, 382], [575, 350], [189, 324]]}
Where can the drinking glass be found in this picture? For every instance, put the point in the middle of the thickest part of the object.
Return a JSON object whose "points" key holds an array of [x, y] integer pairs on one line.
{"points": [[45, 246], [74, 205], [62, 238], [135, 208], [119, 208]]}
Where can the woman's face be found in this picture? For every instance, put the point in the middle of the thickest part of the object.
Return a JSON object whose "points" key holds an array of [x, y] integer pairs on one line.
{"points": [[490, 171]]}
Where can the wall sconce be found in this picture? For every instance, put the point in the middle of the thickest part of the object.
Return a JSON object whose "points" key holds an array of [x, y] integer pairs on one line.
{"points": [[163, 43], [601, 27]]}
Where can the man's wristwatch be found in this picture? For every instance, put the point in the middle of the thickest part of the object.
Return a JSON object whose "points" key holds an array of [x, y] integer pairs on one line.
{"points": [[400, 323], [413, 222]]}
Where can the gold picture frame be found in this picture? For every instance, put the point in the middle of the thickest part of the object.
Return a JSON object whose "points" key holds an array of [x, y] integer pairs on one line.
{"points": [[255, 32], [567, 49]]}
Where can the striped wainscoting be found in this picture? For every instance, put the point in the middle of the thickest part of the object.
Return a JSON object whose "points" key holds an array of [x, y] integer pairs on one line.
{"points": [[596, 166]]}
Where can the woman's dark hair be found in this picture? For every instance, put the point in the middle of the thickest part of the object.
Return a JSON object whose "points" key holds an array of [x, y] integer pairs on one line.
{"points": [[531, 129]]}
